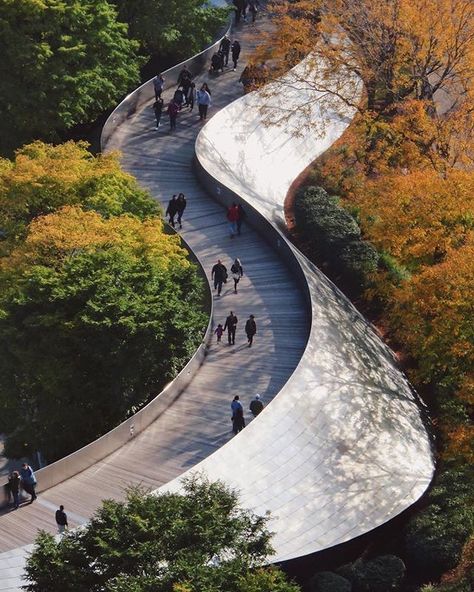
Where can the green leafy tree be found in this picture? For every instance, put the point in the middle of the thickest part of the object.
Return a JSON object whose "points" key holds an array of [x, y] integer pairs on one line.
{"points": [[198, 541], [171, 27], [43, 178], [63, 63], [96, 316]]}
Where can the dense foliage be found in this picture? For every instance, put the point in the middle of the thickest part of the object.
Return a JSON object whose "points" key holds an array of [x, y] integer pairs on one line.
{"points": [[95, 316], [43, 178], [332, 235], [63, 63], [436, 536], [165, 28], [198, 541]]}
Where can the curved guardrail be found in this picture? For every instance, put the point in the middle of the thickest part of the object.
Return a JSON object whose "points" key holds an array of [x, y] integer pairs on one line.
{"points": [[344, 446]]}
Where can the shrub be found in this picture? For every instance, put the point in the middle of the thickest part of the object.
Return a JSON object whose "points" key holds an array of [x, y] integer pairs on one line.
{"points": [[436, 536], [381, 574], [359, 259], [327, 581]]}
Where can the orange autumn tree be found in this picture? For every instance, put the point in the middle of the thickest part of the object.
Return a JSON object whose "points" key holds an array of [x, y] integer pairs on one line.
{"points": [[417, 217]]}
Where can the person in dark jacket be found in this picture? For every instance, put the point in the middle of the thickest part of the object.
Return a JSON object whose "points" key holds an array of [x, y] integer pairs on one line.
{"points": [[180, 207], [237, 272], [238, 421], [240, 218], [158, 84], [231, 326], [219, 275], [250, 329], [158, 110], [235, 50], [256, 406], [14, 483], [28, 480], [184, 76], [224, 47], [61, 520], [172, 210]]}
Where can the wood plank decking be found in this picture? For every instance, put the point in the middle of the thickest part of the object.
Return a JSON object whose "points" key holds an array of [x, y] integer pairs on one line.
{"points": [[199, 421]]}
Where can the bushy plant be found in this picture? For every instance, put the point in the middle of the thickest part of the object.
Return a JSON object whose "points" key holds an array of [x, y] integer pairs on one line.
{"points": [[436, 536], [327, 581], [359, 259]]}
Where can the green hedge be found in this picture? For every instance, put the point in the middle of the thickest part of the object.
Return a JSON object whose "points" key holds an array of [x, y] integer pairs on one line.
{"points": [[381, 574], [327, 581], [333, 236]]}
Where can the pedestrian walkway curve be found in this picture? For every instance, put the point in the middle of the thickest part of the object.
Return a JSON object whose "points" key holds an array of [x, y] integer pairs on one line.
{"points": [[341, 446], [198, 421]]}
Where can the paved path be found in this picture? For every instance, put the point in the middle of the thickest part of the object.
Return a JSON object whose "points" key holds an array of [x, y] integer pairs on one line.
{"points": [[199, 421]]}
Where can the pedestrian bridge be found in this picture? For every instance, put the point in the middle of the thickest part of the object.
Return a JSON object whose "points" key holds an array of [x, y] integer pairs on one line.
{"points": [[341, 446]]}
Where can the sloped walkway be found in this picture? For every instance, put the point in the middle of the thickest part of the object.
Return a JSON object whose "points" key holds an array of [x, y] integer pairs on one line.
{"points": [[198, 423]]}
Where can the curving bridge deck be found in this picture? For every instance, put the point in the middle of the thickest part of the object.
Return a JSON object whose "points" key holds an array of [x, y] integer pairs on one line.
{"points": [[198, 422], [342, 447]]}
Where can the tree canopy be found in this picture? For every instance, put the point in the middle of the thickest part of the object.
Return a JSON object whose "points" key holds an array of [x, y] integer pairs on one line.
{"points": [[96, 315], [43, 178], [198, 541], [177, 28], [63, 63]]}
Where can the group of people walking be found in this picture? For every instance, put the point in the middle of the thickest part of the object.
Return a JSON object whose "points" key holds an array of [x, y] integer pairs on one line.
{"points": [[23, 479], [235, 216], [220, 59], [219, 274], [231, 326], [238, 419], [176, 206]]}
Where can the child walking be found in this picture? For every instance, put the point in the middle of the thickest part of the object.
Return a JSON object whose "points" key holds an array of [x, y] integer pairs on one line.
{"points": [[219, 332]]}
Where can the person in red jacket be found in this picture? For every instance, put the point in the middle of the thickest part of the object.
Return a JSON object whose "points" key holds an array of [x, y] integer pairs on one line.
{"points": [[233, 217]]}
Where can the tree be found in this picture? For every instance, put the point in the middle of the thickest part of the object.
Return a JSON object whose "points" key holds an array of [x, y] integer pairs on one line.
{"points": [[432, 316], [175, 28], [192, 542], [418, 216], [43, 178], [96, 316], [63, 63]]}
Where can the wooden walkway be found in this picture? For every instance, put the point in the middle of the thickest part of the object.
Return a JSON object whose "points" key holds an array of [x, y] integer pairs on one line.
{"points": [[199, 421]]}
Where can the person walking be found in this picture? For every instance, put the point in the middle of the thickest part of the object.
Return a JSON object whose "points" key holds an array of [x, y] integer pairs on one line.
{"points": [[184, 76], [235, 51], [158, 110], [219, 275], [237, 272], [158, 84], [224, 47], [231, 326], [173, 110], [192, 96], [28, 480], [256, 405], [238, 421], [14, 483], [61, 520], [172, 209], [219, 332], [239, 7], [232, 217], [240, 218], [180, 207], [250, 329], [253, 4], [203, 101]]}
